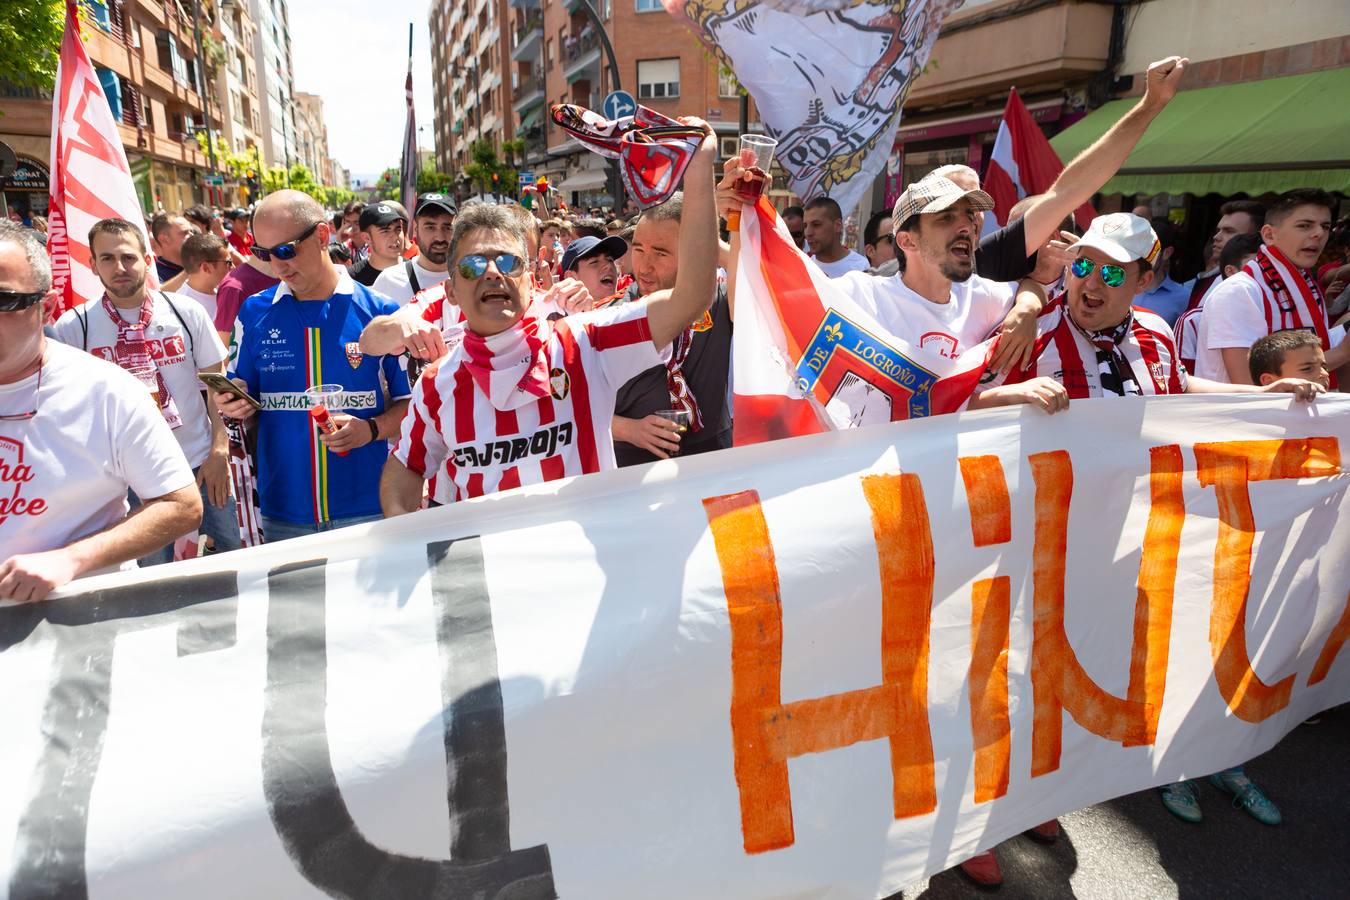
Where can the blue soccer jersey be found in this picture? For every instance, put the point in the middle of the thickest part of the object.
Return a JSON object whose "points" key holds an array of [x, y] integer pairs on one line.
{"points": [[286, 345]]}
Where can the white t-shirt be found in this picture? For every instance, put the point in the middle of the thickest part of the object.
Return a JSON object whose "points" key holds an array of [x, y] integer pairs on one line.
{"points": [[852, 262], [976, 308], [208, 301], [393, 281], [178, 352], [1234, 317], [66, 471]]}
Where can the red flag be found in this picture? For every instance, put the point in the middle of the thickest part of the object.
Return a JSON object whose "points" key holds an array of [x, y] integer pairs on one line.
{"points": [[1023, 163], [90, 178], [809, 359]]}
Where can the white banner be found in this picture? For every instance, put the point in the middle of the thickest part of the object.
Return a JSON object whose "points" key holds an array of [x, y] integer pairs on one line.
{"points": [[822, 667]]}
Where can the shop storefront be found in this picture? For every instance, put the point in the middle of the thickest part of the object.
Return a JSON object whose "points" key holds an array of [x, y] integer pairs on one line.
{"points": [[26, 190]]}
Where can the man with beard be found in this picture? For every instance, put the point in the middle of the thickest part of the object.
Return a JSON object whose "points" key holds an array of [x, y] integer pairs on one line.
{"points": [[694, 379], [432, 222], [172, 337], [522, 399]]}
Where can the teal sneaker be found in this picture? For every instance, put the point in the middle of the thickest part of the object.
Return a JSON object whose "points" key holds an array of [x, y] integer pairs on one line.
{"points": [[1246, 795], [1182, 801]]}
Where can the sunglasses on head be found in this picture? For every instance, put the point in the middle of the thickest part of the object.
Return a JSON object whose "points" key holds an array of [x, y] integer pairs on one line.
{"points": [[17, 301], [1112, 276], [475, 265], [284, 251]]}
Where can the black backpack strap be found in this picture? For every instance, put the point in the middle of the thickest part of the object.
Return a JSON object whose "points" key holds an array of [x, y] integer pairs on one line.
{"points": [[412, 276], [84, 330], [192, 345]]}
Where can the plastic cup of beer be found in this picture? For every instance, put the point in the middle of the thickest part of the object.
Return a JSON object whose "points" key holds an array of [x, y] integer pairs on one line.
{"points": [[145, 374], [321, 396], [679, 417], [756, 156]]}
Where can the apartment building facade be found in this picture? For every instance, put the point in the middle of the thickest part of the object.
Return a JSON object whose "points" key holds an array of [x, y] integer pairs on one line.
{"points": [[470, 65]]}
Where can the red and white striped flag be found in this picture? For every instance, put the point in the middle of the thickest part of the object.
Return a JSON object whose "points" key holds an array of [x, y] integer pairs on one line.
{"points": [[808, 359], [408, 168], [90, 178], [1023, 163]]}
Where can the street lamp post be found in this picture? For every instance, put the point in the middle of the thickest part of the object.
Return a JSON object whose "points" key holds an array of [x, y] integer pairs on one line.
{"points": [[201, 82]]}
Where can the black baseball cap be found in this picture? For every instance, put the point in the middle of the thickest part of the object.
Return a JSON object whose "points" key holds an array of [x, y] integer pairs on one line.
{"points": [[429, 203], [585, 247], [233, 214], [381, 214]]}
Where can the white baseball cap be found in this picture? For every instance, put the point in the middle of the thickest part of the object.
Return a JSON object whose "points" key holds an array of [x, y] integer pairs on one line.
{"points": [[1124, 237]]}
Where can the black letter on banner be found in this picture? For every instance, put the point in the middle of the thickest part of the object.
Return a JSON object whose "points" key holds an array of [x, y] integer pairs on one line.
{"points": [[302, 791], [48, 859]]}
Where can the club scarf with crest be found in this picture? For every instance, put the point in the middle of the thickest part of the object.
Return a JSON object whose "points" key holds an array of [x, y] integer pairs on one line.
{"points": [[829, 77], [132, 350], [653, 150], [511, 367]]}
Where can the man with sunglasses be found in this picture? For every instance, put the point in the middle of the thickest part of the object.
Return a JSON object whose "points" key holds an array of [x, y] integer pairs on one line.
{"points": [[76, 434], [1093, 341], [523, 399], [303, 333]]}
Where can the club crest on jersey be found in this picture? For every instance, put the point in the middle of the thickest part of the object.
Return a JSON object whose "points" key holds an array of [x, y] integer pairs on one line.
{"points": [[559, 384], [354, 354], [1159, 376], [705, 322]]}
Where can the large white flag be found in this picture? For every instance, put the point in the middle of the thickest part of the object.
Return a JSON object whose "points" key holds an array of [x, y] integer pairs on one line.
{"points": [[822, 667], [90, 178], [829, 78]]}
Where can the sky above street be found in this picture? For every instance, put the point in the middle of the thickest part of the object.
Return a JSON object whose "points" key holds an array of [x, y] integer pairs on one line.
{"points": [[354, 54]]}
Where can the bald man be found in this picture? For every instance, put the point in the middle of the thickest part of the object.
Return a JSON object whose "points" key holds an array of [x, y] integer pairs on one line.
{"points": [[302, 333]]}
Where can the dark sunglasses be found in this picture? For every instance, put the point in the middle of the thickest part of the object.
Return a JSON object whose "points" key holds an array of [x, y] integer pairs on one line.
{"points": [[1112, 276], [475, 265], [284, 251], [15, 301]]}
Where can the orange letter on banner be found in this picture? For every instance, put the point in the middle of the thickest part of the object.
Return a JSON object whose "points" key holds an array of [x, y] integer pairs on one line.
{"points": [[766, 732], [1058, 681], [990, 608], [1339, 635], [1230, 466], [1157, 586]]}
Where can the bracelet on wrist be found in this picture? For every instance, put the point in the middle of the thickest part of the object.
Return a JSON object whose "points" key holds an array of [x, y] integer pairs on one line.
{"points": [[374, 430]]}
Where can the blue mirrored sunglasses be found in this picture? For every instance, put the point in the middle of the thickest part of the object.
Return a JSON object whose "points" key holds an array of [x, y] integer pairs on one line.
{"points": [[474, 265]]}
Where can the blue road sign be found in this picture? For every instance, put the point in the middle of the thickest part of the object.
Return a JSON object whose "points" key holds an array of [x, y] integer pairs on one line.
{"points": [[619, 104]]}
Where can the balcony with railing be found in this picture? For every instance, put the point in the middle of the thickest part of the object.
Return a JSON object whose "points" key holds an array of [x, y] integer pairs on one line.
{"points": [[580, 53], [529, 36], [528, 94]]}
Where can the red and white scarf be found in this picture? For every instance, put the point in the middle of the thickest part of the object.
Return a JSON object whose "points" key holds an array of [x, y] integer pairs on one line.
{"points": [[1290, 295], [132, 350], [511, 367]]}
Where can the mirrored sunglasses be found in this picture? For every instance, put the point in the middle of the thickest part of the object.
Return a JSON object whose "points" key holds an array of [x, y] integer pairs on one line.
{"points": [[284, 251], [475, 265], [1112, 276]]}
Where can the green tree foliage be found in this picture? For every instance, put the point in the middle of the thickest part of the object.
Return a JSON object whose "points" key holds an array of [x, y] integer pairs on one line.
{"points": [[429, 180], [485, 164], [30, 33]]}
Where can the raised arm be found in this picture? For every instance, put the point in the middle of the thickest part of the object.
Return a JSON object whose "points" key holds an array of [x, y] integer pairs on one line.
{"points": [[669, 313], [1092, 168]]}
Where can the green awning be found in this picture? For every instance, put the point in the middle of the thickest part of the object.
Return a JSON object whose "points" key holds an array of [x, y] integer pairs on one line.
{"points": [[1253, 138], [531, 118]]}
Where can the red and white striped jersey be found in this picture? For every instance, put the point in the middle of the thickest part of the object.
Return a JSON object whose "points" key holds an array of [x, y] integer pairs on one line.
{"points": [[454, 437], [1063, 352], [1186, 335]]}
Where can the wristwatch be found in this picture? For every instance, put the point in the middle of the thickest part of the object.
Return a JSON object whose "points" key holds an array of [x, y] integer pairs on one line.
{"points": [[374, 430]]}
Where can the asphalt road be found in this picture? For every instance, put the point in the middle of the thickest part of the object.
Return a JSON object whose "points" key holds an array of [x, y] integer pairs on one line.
{"points": [[1132, 847]]}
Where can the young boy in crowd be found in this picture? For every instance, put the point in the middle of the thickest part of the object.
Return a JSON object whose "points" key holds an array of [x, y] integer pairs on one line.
{"points": [[206, 260], [1288, 354]]}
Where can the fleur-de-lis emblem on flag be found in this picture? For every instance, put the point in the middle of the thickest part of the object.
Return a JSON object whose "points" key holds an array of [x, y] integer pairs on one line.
{"points": [[834, 332]]}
